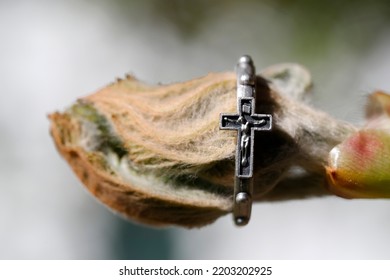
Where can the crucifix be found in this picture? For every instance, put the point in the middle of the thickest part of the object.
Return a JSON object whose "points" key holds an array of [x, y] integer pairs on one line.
{"points": [[246, 122]]}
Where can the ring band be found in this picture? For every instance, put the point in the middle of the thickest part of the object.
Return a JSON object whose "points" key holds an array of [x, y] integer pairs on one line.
{"points": [[245, 122]]}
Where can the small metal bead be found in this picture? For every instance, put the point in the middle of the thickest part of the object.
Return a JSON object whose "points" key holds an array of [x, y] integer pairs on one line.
{"points": [[242, 198], [245, 59], [240, 221], [245, 79]]}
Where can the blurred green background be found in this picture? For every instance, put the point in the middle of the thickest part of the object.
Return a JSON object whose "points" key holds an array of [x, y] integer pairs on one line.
{"points": [[52, 52]]}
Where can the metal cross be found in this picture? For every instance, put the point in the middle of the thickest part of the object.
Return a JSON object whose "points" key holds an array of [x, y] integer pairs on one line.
{"points": [[246, 122]]}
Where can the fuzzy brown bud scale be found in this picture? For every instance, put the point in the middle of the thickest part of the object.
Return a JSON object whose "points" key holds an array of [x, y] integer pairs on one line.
{"points": [[156, 155]]}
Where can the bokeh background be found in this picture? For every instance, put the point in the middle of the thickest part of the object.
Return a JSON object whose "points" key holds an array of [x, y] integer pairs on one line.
{"points": [[52, 52]]}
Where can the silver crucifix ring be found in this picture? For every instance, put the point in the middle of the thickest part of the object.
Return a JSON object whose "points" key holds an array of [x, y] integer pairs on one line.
{"points": [[245, 122]]}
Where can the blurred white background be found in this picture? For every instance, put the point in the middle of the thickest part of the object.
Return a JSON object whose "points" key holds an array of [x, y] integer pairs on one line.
{"points": [[52, 52]]}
